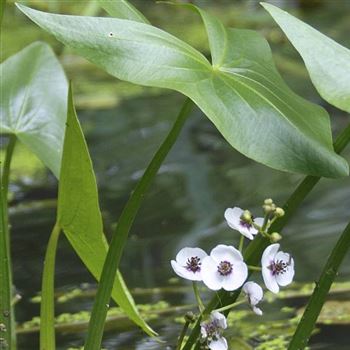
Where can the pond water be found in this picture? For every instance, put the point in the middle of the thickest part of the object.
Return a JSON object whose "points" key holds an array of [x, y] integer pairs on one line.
{"points": [[200, 178]]}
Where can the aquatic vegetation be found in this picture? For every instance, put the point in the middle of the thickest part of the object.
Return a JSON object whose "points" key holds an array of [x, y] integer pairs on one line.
{"points": [[241, 92]]}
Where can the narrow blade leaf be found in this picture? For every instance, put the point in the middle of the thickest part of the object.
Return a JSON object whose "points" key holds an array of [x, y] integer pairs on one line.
{"points": [[79, 214], [241, 93], [34, 101], [327, 62]]}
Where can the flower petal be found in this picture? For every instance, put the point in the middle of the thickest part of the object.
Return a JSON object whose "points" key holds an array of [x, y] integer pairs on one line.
{"points": [[184, 273], [236, 278], [219, 344], [247, 232], [187, 253], [226, 253], [286, 278], [254, 292], [232, 216], [270, 280], [220, 318], [269, 254], [259, 221], [257, 311], [210, 275]]}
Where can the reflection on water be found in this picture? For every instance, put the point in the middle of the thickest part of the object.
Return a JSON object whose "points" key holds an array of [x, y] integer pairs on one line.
{"points": [[201, 177]]}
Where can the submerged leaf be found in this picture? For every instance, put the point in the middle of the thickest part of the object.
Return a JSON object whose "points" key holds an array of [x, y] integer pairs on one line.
{"points": [[79, 214], [34, 101], [241, 93], [327, 62]]}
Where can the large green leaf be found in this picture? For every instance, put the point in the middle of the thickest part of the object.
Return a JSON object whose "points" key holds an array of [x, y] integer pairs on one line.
{"points": [[122, 9], [34, 101], [79, 214], [241, 93], [327, 62]]}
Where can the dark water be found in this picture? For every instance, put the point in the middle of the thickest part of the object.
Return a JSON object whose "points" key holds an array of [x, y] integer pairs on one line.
{"points": [[201, 177]]}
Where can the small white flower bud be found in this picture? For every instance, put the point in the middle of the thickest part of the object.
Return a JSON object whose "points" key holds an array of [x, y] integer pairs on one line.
{"points": [[268, 201], [279, 212], [275, 237], [267, 208]]}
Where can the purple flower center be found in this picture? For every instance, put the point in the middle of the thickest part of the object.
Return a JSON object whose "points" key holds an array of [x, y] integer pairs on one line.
{"points": [[245, 224], [193, 264], [225, 268], [278, 267], [212, 329]]}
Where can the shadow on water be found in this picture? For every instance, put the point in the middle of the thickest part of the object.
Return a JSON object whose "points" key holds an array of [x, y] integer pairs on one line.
{"points": [[201, 177]]}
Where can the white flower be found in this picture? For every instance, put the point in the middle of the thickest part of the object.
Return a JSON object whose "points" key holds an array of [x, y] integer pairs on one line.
{"points": [[224, 268], [188, 263], [255, 294], [234, 219], [277, 268], [211, 331]]}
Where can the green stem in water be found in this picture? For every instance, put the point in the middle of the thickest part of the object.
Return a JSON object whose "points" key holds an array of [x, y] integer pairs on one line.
{"points": [[120, 235], [314, 306], [182, 335], [6, 306], [198, 297], [231, 306], [47, 306]]}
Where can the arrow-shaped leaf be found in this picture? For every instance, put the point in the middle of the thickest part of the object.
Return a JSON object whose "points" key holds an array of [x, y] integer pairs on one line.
{"points": [[241, 93]]}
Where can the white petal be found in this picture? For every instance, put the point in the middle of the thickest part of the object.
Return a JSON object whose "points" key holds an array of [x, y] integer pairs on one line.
{"points": [[269, 254], [238, 276], [254, 292], [210, 275], [233, 217], [219, 344], [259, 221], [204, 333], [226, 253], [246, 232], [270, 280], [283, 279], [187, 253], [257, 311], [184, 273], [220, 318]]}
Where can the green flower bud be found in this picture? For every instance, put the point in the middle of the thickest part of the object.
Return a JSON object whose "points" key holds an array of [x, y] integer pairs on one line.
{"points": [[275, 237], [246, 216], [267, 208], [279, 212]]}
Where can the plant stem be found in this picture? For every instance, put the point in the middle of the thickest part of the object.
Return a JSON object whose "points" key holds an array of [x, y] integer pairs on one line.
{"points": [[182, 335], [254, 268], [229, 307], [47, 306], [198, 297], [241, 243], [314, 306], [254, 250], [120, 235], [6, 306]]}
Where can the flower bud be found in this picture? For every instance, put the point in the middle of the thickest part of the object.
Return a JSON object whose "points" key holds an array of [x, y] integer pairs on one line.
{"points": [[246, 216], [275, 237], [267, 208], [190, 317], [268, 201], [279, 212]]}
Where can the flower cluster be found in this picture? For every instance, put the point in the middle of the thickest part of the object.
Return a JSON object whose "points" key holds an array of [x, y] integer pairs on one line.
{"points": [[224, 268]]}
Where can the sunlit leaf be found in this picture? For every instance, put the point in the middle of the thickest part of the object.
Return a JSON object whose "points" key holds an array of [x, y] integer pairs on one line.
{"points": [[327, 62], [79, 214], [34, 101], [241, 93], [122, 9]]}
